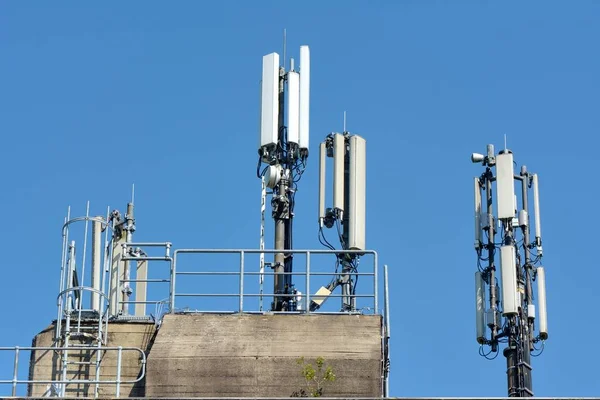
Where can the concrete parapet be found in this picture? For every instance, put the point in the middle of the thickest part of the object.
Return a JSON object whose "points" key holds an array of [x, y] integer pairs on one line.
{"points": [[251, 355]]}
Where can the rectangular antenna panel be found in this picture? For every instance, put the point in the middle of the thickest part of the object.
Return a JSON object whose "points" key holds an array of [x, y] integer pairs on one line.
{"points": [[357, 193], [339, 154], [293, 106], [322, 160], [505, 186], [269, 109], [510, 296], [478, 238], [304, 96], [480, 307], [543, 318]]}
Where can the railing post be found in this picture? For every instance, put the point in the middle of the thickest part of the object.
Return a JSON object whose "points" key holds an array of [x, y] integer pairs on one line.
{"points": [[307, 308], [15, 372], [376, 283], [241, 281], [119, 355], [172, 284]]}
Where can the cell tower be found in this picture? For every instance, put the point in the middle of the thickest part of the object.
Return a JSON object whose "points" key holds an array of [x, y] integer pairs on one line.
{"points": [[347, 213], [283, 146], [511, 316]]}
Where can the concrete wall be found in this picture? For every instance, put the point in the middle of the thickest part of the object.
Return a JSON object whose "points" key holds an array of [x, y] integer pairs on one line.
{"points": [[209, 355], [45, 365]]}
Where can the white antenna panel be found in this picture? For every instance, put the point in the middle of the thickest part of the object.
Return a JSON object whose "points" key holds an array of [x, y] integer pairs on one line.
{"points": [[293, 106], [322, 160], [339, 153], [478, 236], [510, 296], [304, 97], [357, 193], [505, 186], [269, 110]]}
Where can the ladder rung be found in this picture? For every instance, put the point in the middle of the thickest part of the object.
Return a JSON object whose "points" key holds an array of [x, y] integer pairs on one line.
{"points": [[82, 362]]}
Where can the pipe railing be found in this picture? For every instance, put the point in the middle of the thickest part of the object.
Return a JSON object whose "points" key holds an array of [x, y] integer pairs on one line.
{"points": [[242, 273], [117, 382]]}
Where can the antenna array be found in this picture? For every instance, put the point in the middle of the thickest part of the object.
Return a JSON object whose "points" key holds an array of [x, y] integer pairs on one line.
{"points": [[283, 146], [511, 316]]}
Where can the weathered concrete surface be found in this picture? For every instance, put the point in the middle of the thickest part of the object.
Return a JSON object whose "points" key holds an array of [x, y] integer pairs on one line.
{"points": [[46, 365], [208, 355]]}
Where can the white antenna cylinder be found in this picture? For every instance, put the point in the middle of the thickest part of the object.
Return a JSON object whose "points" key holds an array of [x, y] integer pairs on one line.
{"points": [[322, 159], [357, 193], [543, 318], [304, 109], [505, 186], [478, 233], [269, 110], [293, 106], [339, 153], [480, 307], [96, 263], [510, 296], [536, 208]]}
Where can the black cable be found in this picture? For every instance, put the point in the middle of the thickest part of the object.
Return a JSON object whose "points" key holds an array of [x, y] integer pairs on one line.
{"points": [[324, 241]]}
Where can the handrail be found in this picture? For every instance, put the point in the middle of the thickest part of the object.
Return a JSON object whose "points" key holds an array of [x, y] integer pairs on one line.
{"points": [[242, 273], [118, 381]]}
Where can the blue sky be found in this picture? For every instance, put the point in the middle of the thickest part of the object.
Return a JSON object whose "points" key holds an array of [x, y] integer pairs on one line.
{"points": [[96, 97]]}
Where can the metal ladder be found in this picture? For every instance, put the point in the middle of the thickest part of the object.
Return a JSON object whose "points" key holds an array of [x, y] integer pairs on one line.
{"points": [[77, 330]]}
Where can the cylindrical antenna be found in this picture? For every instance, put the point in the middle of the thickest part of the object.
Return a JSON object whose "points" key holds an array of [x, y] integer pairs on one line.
{"points": [[284, 46], [543, 318], [480, 307], [536, 211], [478, 239], [322, 159]]}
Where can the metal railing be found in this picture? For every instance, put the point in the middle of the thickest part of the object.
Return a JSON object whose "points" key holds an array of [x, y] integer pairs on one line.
{"points": [[117, 381], [242, 273], [141, 283]]}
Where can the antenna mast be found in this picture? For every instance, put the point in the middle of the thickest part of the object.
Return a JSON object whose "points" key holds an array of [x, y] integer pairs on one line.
{"points": [[511, 316], [283, 146]]}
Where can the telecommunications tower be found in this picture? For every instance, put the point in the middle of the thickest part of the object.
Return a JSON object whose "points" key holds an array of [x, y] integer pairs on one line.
{"points": [[347, 213], [511, 317], [283, 146]]}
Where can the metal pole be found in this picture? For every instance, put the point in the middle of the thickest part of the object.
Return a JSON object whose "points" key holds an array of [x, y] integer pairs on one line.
{"points": [[242, 281], [527, 322], [280, 204], [172, 284], [491, 247], [307, 296], [15, 372], [387, 330], [96, 262], [119, 354]]}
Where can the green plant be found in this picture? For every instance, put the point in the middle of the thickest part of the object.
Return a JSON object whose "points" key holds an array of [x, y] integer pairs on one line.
{"points": [[315, 377]]}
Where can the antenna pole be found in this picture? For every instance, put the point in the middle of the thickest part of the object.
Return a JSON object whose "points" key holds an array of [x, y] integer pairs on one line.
{"points": [[284, 148], [281, 209], [514, 322]]}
